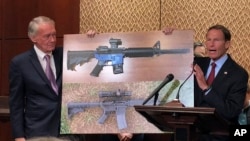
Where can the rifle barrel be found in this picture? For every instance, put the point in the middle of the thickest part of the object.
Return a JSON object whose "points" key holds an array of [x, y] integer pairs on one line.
{"points": [[149, 52]]}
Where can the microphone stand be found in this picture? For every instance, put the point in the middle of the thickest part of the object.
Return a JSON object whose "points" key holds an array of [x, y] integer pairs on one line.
{"points": [[156, 97], [155, 93], [176, 102]]}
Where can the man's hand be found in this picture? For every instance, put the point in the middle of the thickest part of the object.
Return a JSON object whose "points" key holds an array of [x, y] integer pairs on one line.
{"points": [[201, 80], [91, 33], [20, 139], [125, 136], [168, 30]]}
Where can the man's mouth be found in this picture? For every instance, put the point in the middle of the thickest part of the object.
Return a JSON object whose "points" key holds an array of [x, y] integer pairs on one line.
{"points": [[211, 50]]}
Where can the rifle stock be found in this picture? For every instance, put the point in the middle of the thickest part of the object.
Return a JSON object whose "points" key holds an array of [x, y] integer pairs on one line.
{"points": [[78, 58]]}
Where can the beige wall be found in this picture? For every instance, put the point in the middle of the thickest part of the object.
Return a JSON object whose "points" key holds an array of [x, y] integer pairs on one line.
{"points": [[148, 15], [119, 15]]}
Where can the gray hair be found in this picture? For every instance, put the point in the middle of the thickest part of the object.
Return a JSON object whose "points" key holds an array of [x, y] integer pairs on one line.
{"points": [[34, 24]]}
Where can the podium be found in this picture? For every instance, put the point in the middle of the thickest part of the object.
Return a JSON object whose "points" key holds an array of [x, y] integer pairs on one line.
{"points": [[187, 123]]}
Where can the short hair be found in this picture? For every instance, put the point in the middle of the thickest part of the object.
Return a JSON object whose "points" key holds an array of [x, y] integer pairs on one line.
{"points": [[225, 31], [34, 23]]}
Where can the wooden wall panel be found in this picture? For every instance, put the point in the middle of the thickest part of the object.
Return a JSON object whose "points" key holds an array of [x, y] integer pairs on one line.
{"points": [[1, 78], [5, 130], [65, 13], [16, 16], [1, 27], [1, 19], [59, 42], [11, 48]]}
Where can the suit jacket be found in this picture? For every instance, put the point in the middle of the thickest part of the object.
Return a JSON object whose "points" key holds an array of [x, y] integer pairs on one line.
{"points": [[247, 110], [228, 89], [34, 107]]}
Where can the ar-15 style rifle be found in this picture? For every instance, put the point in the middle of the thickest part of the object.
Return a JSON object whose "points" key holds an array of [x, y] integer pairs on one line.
{"points": [[117, 105], [115, 56]]}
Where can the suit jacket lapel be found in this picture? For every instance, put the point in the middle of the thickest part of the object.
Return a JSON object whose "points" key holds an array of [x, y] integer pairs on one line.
{"points": [[37, 65], [58, 64], [205, 65], [223, 72]]}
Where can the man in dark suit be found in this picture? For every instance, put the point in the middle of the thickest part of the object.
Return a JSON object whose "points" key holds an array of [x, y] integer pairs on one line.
{"points": [[35, 107], [227, 91]]}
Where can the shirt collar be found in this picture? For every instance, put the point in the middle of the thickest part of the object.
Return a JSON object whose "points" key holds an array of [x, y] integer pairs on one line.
{"points": [[220, 61], [40, 53]]}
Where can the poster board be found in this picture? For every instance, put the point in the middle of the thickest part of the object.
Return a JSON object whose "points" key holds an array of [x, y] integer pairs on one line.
{"points": [[103, 102]]}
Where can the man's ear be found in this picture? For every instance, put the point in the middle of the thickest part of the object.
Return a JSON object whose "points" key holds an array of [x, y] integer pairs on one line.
{"points": [[33, 39], [227, 45]]}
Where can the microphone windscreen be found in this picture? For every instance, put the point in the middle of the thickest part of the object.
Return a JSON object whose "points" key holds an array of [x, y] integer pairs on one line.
{"points": [[170, 76]]}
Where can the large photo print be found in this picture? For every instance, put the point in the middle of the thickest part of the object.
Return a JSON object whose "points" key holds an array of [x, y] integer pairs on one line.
{"points": [[106, 76]]}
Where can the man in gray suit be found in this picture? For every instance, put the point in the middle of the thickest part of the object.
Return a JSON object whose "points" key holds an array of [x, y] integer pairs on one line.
{"points": [[227, 91], [35, 102]]}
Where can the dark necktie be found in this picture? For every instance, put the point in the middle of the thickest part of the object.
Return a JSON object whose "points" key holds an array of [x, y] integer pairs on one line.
{"points": [[50, 74], [211, 75]]}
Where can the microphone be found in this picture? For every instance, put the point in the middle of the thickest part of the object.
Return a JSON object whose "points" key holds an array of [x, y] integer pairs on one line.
{"points": [[178, 93], [155, 93]]}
